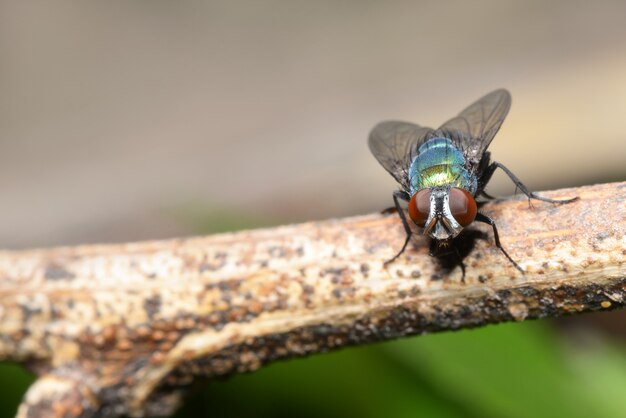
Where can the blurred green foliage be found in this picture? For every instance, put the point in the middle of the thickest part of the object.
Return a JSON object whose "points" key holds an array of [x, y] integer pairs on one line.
{"points": [[205, 218], [14, 381]]}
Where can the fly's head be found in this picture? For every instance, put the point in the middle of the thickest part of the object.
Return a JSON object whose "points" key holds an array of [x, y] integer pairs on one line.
{"points": [[443, 212]]}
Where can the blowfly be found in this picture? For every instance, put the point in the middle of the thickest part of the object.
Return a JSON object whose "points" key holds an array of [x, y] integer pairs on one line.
{"points": [[442, 171]]}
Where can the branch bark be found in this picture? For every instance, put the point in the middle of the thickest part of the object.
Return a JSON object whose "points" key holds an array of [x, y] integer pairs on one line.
{"points": [[124, 329]]}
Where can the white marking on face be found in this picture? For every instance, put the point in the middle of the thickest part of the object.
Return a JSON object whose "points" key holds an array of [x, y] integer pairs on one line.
{"points": [[439, 230]]}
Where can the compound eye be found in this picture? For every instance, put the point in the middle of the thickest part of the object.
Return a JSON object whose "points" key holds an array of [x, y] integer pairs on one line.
{"points": [[419, 207], [462, 206]]}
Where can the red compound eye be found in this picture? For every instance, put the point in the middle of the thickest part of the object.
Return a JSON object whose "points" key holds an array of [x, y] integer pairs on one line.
{"points": [[462, 206], [419, 207]]}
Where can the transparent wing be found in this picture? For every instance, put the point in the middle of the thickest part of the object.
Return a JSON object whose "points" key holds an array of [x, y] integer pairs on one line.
{"points": [[394, 144], [479, 122]]}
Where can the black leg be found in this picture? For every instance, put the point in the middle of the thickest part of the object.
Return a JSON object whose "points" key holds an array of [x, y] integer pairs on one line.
{"points": [[387, 211], [397, 195], [487, 195], [486, 219], [518, 184], [433, 248]]}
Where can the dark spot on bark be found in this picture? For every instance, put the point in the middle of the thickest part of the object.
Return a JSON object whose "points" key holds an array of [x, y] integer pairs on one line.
{"points": [[308, 289], [335, 272], [212, 265], [602, 236], [58, 272], [223, 286], [569, 291], [152, 305], [527, 291], [482, 278], [594, 294], [276, 252], [416, 274], [365, 268], [28, 312]]}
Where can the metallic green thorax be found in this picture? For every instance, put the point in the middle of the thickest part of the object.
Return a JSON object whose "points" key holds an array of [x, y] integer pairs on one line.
{"points": [[440, 163]]}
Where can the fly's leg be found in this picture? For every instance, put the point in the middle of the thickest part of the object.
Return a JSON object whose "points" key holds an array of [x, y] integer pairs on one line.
{"points": [[486, 219], [433, 248], [493, 166], [487, 195], [397, 195], [387, 211]]}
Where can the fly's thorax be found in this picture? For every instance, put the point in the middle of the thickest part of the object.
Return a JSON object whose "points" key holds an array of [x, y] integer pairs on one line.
{"points": [[440, 163], [443, 212]]}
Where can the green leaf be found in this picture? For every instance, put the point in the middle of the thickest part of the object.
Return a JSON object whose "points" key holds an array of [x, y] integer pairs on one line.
{"points": [[14, 382], [510, 370], [359, 382]]}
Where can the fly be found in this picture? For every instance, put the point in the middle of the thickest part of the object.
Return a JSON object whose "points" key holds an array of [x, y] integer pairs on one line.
{"points": [[442, 171]]}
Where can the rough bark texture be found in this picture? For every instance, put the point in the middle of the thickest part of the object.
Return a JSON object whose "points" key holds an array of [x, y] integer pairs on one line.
{"points": [[123, 329]]}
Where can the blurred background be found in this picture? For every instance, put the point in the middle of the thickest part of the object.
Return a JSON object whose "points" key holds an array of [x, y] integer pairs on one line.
{"points": [[153, 119]]}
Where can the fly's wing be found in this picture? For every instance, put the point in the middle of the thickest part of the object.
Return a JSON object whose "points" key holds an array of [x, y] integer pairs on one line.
{"points": [[394, 144], [475, 127]]}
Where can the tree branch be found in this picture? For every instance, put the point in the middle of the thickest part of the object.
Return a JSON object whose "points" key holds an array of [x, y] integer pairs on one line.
{"points": [[123, 329]]}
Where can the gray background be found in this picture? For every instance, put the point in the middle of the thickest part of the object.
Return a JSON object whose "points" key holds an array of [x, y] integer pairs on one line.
{"points": [[123, 120]]}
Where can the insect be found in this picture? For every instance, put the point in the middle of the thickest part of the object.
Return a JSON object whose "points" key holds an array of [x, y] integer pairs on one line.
{"points": [[442, 171]]}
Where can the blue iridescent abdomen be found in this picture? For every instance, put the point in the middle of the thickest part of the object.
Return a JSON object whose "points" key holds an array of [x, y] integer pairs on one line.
{"points": [[440, 163]]}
